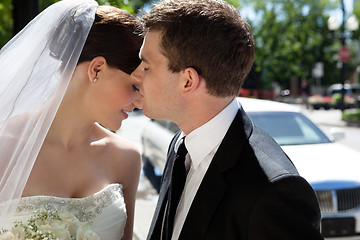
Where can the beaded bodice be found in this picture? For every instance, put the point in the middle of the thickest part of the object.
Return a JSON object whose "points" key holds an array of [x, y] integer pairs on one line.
{"points": [[104, 210], [85, 209]]}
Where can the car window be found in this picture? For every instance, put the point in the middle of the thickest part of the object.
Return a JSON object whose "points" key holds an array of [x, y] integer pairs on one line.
{"points": [[288, 128], [163, 123], [168, 125], [339, 91], [173, 127]]}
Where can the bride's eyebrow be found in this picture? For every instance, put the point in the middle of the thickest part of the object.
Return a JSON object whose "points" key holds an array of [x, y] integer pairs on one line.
{"points": [[142, 58]]}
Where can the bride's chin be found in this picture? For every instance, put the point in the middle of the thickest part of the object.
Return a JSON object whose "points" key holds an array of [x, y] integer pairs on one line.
{"points": [[112, 127], [115, 128]]}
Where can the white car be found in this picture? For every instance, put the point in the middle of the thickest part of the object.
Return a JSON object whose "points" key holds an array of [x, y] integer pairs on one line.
{"points": [[332, 169]]}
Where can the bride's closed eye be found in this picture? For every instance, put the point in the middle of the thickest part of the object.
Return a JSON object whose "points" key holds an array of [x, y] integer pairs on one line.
{"points": [[135, 88]]}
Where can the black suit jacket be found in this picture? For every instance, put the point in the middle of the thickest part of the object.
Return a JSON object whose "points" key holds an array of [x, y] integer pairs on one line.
{"points": [[250, 191]]}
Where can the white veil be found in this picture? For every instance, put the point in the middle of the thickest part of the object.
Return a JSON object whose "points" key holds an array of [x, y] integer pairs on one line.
{"points": [[35, 69]]}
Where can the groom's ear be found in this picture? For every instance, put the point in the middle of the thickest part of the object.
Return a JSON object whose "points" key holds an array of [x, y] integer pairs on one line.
{"points": [[191, 80], [96, 65]]}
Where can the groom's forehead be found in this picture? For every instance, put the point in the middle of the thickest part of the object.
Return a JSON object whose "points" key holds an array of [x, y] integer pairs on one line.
{"points": [[150, 50], [152, 40]]}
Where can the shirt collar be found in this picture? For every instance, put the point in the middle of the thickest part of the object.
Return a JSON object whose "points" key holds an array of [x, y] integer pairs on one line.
{"points": [[201, 141]]}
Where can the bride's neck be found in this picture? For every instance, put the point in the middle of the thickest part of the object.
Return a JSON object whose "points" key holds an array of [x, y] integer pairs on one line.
{"points": [[70, 128]]}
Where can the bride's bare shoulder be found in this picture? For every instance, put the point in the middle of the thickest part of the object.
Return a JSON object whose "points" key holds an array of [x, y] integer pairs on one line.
{"points": [[115, 141], [123, 159], [120, 148]]}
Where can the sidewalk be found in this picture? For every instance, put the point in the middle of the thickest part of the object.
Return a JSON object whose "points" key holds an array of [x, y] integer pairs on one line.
{"points": [[146, 197], [146, 200], [331, 117], [325, 117]]}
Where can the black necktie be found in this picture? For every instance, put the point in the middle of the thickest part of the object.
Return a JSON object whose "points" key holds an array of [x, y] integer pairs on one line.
{"points": [[178, 179]]}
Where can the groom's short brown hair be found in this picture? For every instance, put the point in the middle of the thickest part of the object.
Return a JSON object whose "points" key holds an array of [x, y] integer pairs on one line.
{"points": [[208, 35]]}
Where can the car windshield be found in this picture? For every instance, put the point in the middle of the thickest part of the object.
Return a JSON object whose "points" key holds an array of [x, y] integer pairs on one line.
{"points": [[289, 128]]}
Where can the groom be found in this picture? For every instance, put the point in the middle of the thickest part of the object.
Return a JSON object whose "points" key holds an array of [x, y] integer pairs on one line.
{"points": [[230, 180]]}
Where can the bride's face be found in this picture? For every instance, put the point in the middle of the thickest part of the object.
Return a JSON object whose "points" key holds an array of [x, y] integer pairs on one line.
{"points": [[115, 95]]}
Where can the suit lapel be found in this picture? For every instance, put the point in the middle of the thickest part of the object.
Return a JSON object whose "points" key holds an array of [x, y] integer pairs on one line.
{"points": [[156, 224], [214, 184], [202, 208]]}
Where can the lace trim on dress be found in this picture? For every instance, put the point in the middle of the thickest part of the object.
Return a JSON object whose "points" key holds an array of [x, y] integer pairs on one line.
{"points": [[85, 209]]}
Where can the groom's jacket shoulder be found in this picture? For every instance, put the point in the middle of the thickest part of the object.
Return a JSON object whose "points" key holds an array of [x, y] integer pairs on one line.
{"points": [[245, 145], [270, 156], [265, 176]]}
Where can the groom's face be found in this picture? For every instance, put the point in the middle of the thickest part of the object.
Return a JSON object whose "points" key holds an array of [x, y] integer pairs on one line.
{"points": [[160, 87]]}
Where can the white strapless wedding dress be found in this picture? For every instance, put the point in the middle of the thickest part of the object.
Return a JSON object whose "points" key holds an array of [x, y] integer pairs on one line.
{"points": [[105, 210]]}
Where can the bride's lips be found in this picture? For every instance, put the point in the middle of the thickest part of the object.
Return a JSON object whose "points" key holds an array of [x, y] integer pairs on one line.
{"points": [[125, 114]]}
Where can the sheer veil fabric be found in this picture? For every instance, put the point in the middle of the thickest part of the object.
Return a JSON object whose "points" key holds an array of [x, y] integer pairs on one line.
{"points": [[36, 67]]}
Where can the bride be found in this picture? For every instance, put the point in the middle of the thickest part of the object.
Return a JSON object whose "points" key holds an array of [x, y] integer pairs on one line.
{"points": [[65, 82]]}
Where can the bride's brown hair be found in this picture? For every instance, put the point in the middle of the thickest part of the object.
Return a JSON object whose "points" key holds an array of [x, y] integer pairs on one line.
{"points": [[116, 36]]}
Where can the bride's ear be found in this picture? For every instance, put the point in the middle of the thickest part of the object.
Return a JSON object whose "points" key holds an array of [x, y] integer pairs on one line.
{"points": [[95, 66]]}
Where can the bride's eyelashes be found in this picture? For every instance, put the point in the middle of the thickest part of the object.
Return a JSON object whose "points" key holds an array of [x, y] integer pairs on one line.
{"points": [[135, 88]]}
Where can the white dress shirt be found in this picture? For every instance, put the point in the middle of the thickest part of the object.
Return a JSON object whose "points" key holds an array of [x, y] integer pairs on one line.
{"points": [[202, 144]]}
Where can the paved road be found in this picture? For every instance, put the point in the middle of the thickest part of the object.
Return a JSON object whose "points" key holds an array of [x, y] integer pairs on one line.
{"points": [[147, 196], [330, 120]]}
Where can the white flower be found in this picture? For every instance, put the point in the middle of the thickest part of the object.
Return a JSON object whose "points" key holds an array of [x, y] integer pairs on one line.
{"points": [[86, 233], [7, 236], [50, 224], [15, 234], [60, 229], [73, 222]]}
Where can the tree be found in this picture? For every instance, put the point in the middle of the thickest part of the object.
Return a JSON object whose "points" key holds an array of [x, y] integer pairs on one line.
{"points": [[291, 36], [356, 12], [15, 14], [26, 10], [354, 42], [130, 5], [6, 21]]}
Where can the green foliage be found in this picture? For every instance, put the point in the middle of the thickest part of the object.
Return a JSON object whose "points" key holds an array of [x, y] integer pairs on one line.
{"points": [[130, 5], [235, 3], [356, 12], [45, 3], [291, 36], [6, 21], [351, 115], [337, 97], [354, 43]]}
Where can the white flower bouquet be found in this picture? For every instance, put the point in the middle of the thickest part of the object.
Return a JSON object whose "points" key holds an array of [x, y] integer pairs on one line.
{"points": [[54, 224]]}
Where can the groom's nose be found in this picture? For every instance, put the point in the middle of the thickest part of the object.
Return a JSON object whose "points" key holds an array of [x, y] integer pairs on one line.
{"points": [[138, 102]]}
